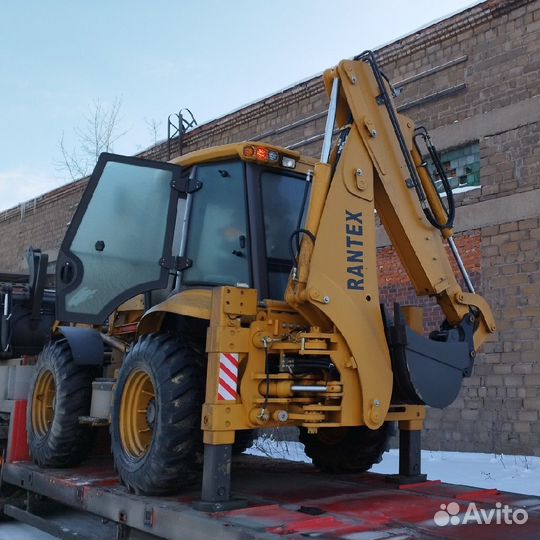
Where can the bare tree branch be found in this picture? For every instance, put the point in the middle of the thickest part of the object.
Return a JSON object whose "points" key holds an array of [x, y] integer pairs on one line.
{"points": [[98, 134], [153, 126]]}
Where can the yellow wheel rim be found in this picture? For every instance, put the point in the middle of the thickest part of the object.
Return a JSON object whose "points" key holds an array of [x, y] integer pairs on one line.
{"points": [[43, 402], [137, 414]]}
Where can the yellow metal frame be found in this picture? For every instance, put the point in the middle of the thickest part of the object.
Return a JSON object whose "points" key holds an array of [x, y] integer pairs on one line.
{"points": [[239, 325], [236, 150], [190, 303]]}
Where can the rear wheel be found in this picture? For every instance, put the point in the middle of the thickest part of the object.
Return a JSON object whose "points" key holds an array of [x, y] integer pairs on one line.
{"points": [[60, 392], [156, 433], [243, 439], [347, 449]]}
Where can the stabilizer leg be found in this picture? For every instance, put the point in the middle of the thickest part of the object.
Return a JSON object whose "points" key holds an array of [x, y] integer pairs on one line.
{"points": [[410, 459], [216, 481]]}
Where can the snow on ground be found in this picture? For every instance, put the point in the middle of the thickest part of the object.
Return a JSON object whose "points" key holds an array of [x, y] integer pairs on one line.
{"points": [[519, 474]]}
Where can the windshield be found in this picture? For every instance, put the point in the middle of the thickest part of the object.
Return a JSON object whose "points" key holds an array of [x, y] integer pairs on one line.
{"points": [[218, 236]]}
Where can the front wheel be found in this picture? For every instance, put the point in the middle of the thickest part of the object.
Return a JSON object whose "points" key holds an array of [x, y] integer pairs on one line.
{"points": [[347, 449], [156, 433]]}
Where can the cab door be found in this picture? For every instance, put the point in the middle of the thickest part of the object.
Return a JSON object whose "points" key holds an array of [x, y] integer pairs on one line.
{"points": [[119, 242]]}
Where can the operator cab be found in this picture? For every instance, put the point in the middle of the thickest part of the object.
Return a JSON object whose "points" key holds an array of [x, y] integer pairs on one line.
{"points": [[222, 216]]}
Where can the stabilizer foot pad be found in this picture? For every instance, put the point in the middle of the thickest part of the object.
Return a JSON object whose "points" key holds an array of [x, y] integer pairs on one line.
{"points": [[403, 479]]}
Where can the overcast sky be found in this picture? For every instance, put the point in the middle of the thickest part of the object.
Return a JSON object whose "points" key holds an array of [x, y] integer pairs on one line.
{"points": [[57, 57]]}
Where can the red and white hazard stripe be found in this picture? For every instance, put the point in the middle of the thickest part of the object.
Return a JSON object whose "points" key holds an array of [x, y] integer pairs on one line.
{"points": [[228, 377]]}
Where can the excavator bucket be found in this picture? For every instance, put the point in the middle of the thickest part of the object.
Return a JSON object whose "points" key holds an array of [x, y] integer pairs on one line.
{"points": [[429, 371]]}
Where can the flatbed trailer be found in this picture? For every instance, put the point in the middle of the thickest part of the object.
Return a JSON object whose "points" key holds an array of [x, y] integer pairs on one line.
{"points": [[283, 500]]}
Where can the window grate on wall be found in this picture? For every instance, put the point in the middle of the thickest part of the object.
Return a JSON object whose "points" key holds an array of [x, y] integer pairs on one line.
{"points": [[462, 166]]}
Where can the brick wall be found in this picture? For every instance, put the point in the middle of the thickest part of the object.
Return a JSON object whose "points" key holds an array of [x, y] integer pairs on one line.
{"points": [[394, 284], [39, 223], [471, 78]]}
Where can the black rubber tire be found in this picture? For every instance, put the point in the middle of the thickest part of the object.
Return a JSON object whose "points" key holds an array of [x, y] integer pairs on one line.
{"points": [[67, 442], [347, 450], [243, 440], [173, 457]]}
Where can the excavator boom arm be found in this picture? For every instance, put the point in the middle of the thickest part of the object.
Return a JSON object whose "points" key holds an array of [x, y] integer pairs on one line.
{"points": [[376, 165]]}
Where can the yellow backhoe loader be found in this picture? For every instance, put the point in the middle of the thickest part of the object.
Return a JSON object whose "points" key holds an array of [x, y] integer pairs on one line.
{"points": [[259, 265]]}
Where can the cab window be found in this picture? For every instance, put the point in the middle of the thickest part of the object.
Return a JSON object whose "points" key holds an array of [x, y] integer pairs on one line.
{"points": [[217, 238], [284, 199]]}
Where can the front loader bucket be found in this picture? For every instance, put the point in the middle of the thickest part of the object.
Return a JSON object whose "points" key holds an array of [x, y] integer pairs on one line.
{"points": [[428, 371]]}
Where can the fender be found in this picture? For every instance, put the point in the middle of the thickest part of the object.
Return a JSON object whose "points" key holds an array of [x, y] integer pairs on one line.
{"points": [[85, 343], [191, 303]]}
